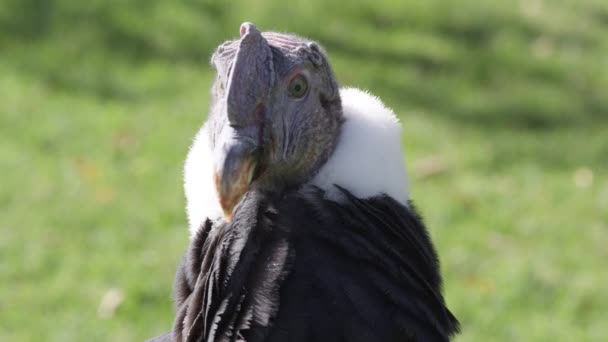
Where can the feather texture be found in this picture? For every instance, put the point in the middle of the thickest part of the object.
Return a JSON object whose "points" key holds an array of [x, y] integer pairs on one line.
{"points": [[301, 267]]}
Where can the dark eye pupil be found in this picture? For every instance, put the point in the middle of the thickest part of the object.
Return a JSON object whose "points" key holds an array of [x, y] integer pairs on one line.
{"points": [[298, 87]]}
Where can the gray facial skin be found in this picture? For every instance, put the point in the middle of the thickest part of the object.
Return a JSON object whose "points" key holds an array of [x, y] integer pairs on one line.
{"points": [[275, 115]]}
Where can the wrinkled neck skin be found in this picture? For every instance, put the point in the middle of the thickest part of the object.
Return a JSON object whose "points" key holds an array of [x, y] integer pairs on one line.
{"points": [[367, 159], [285, 176]]}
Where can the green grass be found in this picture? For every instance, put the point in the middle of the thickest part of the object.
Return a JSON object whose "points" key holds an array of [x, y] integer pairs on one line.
{"points": [[505, 118]]}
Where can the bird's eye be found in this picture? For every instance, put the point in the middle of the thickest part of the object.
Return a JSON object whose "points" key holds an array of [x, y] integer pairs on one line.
{"points": [[298, 87]]}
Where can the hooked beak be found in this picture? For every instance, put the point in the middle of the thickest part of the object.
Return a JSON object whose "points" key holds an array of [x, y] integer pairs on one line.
{"points": [[237, 149], [236, 162]]}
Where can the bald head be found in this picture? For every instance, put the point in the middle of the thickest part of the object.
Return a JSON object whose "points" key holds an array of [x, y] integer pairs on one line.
{"points": [[276, 113]]}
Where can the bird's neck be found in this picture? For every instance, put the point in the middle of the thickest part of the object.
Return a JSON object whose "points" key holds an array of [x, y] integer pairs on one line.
{"points": [[367, 159]]}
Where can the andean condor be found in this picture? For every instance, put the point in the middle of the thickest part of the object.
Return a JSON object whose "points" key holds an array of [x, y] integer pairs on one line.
{"points": [[301, 225]]}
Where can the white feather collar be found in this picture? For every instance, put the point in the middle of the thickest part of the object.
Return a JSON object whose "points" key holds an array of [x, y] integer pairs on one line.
{"points": [[368, 160]]}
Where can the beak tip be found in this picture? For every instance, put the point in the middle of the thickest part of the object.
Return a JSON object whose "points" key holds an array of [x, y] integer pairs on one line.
{"points": [[230, 194], [222, 197], [228, 215], [234, 169], [227, 208]]}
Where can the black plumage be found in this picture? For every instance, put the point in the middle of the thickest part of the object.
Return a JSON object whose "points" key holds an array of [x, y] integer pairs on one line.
{"points": [[298, 267]]}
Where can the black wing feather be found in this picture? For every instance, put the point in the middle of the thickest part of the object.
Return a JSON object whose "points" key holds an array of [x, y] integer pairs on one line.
{"points": [[298, 267]]}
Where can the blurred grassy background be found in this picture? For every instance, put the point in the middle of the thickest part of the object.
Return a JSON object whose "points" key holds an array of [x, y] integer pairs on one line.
{"points": [[505, 113]]}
